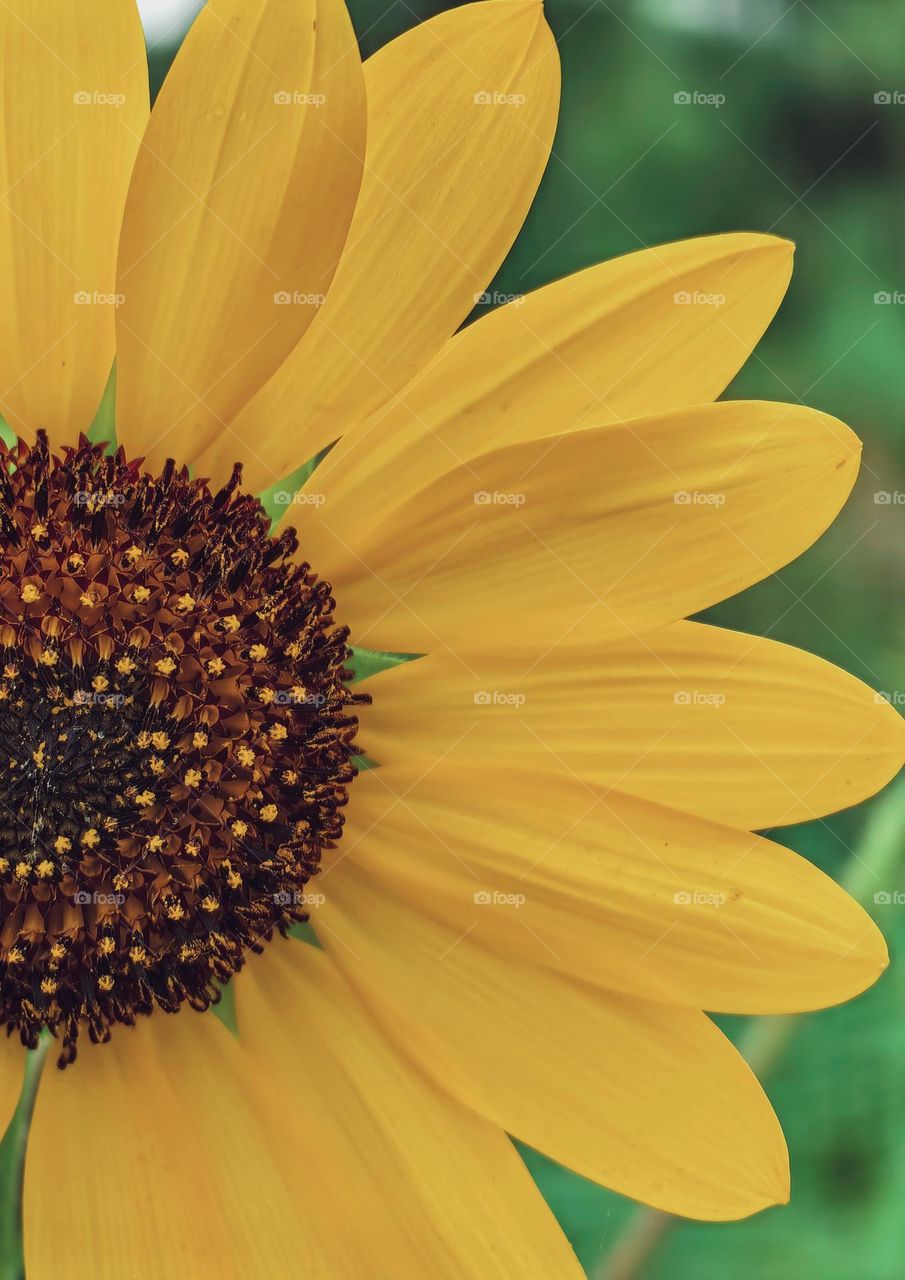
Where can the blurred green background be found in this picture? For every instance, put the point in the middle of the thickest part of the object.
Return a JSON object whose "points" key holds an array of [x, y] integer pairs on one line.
{"points": [[802, 147]]}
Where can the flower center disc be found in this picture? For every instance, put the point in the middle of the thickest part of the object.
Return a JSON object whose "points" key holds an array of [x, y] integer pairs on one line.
{"points": [[176, 738]]}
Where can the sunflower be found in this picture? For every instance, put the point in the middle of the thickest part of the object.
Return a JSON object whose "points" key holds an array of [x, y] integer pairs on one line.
{"points": [[468, 622]]}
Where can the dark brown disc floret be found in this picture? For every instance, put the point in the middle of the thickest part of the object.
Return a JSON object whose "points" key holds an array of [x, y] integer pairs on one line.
{"points": [[176, 738]]}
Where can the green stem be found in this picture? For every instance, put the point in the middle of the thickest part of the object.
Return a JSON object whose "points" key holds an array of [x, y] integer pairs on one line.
{"points": [[12, 1167]]}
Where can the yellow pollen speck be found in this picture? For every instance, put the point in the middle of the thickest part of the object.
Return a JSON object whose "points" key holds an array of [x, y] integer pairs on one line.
{"points": [[10, 671], [49, 986], [156, 765], [75, 562], [106, 946], [16, 955], [267, 695], [45, 869], [49, 657], [298, 693], [120, 882], [90, 839], [22, 871], [143, 741], [234, 880], [245, 756], [257, 652], [231, 623], [192, 778], [29, 593], [132, 554], [216, 666], [100, 683], [39, 531], [185, 603], [278, 732], [144, 799], [58, 951], [166, 666], [179, 556], [87, 599], [269, 812], [125, 666], [239, 828], [141, 594], [290, 777], [62, 844], [293, 650], [4, 865], [159, 740], [38, 756], [138, 955], [105, 982], [199, 740], [209, 903], [192, 848], [155, 843], [175, 911]]}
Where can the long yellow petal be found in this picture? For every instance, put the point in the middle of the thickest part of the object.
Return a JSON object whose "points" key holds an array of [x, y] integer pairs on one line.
{"points": [[642, 334], [74, 103], [647, 1099], [447, 184], [436, 1190], [605, 888], [737, 728], [239, 207], [150, 1157], [610, 531]]}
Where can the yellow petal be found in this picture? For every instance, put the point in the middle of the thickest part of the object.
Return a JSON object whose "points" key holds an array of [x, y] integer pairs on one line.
{"points": [[611, 531], [647, 1099], [606, 344], [74, 102], [12, 1066], [448, 181], [148, 1158], [736, 728], [436, 1190], [605, 888], [239, 206]]}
